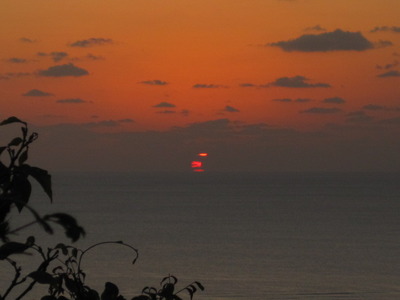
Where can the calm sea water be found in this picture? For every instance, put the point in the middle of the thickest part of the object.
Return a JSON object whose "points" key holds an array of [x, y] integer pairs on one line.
{"points": [[244, 236]]}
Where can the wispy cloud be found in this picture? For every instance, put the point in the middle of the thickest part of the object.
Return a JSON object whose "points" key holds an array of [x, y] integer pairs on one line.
{"points": [[393, 73], [154, 82], [337, 40], [315, 28], [27, 40], [63, 71], [91, 42], [230, 109], [10, 75], [395, 29], [36, 93], [207, 86], [296, 82], [164, 104], [72, 101], [334, 100], [321, 110], [290, 100], [55, 56], [358, 117], [16, 60]]}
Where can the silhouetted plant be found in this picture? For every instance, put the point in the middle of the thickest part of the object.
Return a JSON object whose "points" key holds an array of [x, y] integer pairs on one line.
{"points": [[60, 267]]}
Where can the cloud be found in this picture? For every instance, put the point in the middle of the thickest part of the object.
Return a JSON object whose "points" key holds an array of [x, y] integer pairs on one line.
{"points": [[284, 100], [358, 117], [247, 85], [63, 70], [207, 86], [337, 40], [72, 101], [391, 121], [166, 112], [27, 40], [373, 107], [322, 110], [36, 93], [16, 60], [164, 104], [154, 82], [315, 28], [55, 56], [377, 107], [230, 109], [10, 75], [334, 100], [91, 42], [388, 66], [296, 82], [395, 29], [393, 73]]}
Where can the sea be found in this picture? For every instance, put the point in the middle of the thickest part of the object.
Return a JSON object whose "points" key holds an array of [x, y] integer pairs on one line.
{"points": [[243, 236]]}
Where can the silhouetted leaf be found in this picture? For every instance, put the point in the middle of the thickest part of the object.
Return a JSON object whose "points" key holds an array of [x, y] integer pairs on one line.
{"points": [[21, 191], [12, 248], [201, 287], [110, 292], [43, 177], [48, 298], [23, 157], [11, 120], [15, 141], [42, 277], [141, 297], [72, 229]]}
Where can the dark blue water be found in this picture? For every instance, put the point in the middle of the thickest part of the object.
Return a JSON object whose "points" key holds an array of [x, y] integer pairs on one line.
{"points": [[244, 236]]}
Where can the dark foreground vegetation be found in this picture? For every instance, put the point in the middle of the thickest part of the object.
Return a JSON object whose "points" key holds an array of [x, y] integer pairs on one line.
{"points": [[60, 267]]}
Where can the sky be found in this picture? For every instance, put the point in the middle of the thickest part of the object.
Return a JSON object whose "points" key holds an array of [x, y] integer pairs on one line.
{"points": [[260, 85]]}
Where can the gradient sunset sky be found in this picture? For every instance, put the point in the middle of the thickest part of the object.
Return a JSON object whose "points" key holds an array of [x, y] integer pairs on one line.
{"points": [[261, 85]]}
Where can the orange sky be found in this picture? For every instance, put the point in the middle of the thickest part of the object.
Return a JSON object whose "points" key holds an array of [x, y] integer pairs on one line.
{"points": [[135, 66]]}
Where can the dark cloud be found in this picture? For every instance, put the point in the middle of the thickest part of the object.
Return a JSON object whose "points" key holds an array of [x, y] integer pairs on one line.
{"points": [[358, 117], [10, 75], [16, 60], [63, 70], [55, 56], [166, 112], [315, 28], [27, 40], [393, 73], [377, 107], [247, 85], [290, 100], [322, 110], [126, 120], [185, 112], [391, 121], [207, 86], [296, 82], [91, 42], [334, 100], [373, 107], [72, 101], [388, 66], [230, 109], [284, 100], [154, 82], [395, 29], [94, 57], [337, 40], [164, 104], [36, 93]]}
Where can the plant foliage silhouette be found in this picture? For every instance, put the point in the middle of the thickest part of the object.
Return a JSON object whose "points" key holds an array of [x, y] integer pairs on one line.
{"points": [[60, 267]]}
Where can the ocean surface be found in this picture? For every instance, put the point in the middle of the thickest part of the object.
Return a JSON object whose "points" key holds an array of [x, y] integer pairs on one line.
{"points": [[252, 236]]}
